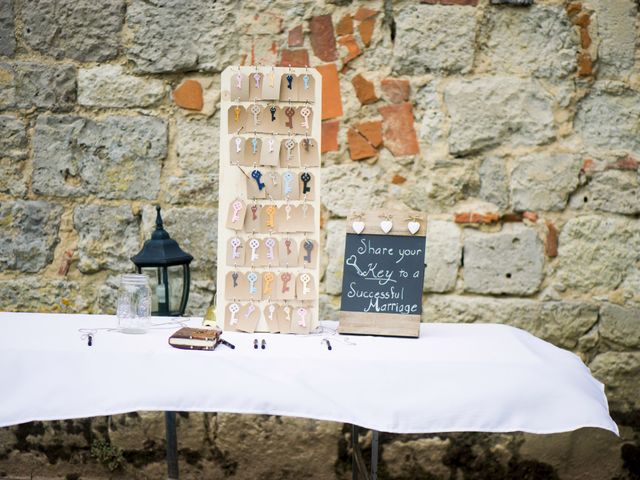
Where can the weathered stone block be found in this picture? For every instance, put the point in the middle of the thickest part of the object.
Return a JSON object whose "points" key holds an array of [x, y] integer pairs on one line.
{"points": [[497, 110], [195, 229], [494, 182], [620, 325], [13, 151], [561, 323], [617, 34], [107, 237], [608, 117], [336, 235], [510, 261], [118, 157], [197, 151], [28, 234], [421, 458], [443, 255], [110, 86], [28, 85], [84, 30], [7, 34], [347, 188], [613, 191], [177, 35], [537, 41], [33, 294], [452, 183], [433, 38], [542, 181], [620, 372], [596, 252]]}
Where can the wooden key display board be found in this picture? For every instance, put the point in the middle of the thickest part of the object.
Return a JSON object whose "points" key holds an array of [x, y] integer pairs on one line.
{"points": [[269, 203], [383, 274]]}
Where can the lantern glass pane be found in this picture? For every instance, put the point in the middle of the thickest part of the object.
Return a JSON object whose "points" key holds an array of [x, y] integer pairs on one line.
{"points": [[176, 287], [153, 273]]}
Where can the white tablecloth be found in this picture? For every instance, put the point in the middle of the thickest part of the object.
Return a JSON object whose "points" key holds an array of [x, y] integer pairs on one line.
{"points": [[455, 377]]}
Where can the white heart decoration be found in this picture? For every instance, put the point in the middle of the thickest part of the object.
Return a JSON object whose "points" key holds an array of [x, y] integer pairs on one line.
{"points": [[358, 227], [413, 227], [386, 226]]}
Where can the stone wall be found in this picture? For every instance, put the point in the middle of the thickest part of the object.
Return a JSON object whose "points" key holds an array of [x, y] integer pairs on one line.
{"points": [[516, 128]]}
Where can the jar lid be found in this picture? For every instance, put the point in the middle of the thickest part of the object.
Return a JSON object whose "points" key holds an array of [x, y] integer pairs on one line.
{"points": [[134, 278]]}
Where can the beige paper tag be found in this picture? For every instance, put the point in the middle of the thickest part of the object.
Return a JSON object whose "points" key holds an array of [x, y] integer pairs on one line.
{"points": [[269, 285], [235, 252], [272, 249], [255, 255], [270, 313], [305, 287], [305, 218], [302, 320], [289, 155], [236, 150], [248, 318], [236, 286], [255, 85], [285, 317], [237, 117], [252, 147], [269, 218], [271, 86], [270, 151], [239, 87], [235, 214], [290, 185], [308, 253], [254, 286], [309, 155], [307, 185], [286, 286], [253, 189], [255, 116], [273, 187], [288, 253], [252, 218], [306, 88], [232, 316], [288, 87]]}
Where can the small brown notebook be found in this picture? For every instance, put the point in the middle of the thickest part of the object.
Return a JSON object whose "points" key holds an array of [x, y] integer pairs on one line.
{"points": [[190, 338]]}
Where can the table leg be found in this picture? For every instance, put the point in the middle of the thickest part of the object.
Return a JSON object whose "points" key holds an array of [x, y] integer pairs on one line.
{"points": [[354, 445], [375, 437], [172, 445]]}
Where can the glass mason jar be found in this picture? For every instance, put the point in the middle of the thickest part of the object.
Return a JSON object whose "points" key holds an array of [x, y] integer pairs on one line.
{"points": [[134, 303]]}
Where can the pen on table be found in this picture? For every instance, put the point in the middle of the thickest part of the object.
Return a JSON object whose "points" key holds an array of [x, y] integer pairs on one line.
{"points": [[264, 344], [255, 343], [228, 344], [328, 343]]}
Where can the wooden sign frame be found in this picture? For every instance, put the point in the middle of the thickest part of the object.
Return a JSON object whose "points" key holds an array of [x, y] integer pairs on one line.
{"points": [[379, 323], [242, 87]]}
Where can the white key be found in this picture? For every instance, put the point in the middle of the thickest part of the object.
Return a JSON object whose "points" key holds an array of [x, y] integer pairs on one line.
{"points": [[287, 211], [254, 244], [302, 316], [256, 78], [288, 179], [305, 278], [238, 144], [237, 206], [270, 243], [305, 112], [252, 277], [234, 308], [287, 313], [255, 111], [235, 245], [239, 81], [271, 142], [272, 310]]}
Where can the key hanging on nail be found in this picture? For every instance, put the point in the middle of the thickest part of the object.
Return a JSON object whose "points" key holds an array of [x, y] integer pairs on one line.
{"points": [[270, 244], [308, 247], [287, 178], [290, 82], [238, 142], [236, 111], [287, 211], [305, 80], [302, 317], [234, 308], [306, 143], [239, 81], [255, 111], [272, 77], [250, 309], [234, 277], [287, 313], [254, 244], [289, 145], [254, 212], [237, 207], [286, 278], [272, 310], [267, 280], [305, 278], [257, 175], [235, 245], [271, 213], [271, 142], [287, 243], [289, 113], [256, 78], [273, 113], [274, 178], [254, 145], [252, 277], [306, 178], [305, 112]]}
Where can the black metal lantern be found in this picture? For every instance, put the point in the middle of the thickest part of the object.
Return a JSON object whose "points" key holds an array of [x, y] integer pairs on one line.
{"points": [[162, 260]]}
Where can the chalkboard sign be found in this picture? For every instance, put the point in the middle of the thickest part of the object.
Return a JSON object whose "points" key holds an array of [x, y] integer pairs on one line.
{"points": [[383, 274]]}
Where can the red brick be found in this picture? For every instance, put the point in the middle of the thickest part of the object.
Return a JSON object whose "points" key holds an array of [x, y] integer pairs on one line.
{"points": [[531, 216], [363, 13], [573, 8], [511, 217], [359, 148], [323, 40], [330, 136], [345, 26], [395, 89], [585, 38], [398, 179], [626, 163], [476, 217], [551, 245], [295, 58], [189, 95], [350, 43], [583, 20], [364, 89], [366, 30], [331, 98], [585, 65], [398, 131], [372, 131], [296, 37]]}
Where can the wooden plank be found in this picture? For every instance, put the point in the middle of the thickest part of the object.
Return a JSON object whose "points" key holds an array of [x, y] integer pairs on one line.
{"points": [[361, 323], [399, 219]]}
